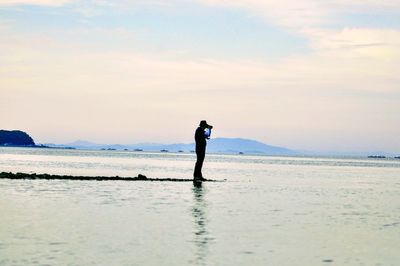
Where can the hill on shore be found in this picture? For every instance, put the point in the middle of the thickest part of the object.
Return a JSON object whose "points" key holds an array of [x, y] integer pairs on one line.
{"points": [[234, 145], [15, 138]]}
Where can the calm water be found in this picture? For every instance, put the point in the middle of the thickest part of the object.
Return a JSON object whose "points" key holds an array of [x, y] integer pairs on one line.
{"points": [[271, 210]]}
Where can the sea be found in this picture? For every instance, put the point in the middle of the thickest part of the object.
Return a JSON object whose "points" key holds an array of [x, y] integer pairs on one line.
{"points": [[267, 210]]}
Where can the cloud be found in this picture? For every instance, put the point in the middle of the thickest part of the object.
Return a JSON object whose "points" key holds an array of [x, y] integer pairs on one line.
{"points": [[288, 13], [94, 8], [336, 90], [319, 22], [376, 44], [364, 56], [34, 2], [298, 15], [366, 5]]}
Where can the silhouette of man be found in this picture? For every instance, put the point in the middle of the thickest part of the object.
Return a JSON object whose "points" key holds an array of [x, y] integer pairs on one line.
{"points": [[203, 133]]}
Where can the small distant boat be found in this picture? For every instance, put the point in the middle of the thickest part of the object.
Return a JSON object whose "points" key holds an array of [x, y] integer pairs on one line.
{"points": [[397, 157], [180, 151], [111, 149], [138, 150], [163, 150], [241, 152], [377, 156]]}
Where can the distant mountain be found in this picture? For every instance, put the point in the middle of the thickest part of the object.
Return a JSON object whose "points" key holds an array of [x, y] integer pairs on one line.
{"points": [[235, 145], [15, 138], [217, 145], [82, 143]]}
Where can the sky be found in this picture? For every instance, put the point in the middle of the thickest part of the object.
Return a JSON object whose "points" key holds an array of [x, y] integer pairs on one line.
{"points": [[307, 74]]}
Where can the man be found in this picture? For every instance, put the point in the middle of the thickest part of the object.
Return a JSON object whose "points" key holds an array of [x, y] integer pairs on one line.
{"points": [[203, 133]]}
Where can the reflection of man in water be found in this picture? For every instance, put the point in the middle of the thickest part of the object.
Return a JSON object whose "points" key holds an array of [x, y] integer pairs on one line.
{"points": [[202, 237], [203, 133]]}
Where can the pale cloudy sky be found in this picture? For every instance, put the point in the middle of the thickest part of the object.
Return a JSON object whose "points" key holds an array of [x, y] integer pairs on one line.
{"points": [[305, 74]]}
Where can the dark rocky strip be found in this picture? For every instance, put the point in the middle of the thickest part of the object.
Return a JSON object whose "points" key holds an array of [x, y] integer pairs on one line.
{"points": [[6, 175]]}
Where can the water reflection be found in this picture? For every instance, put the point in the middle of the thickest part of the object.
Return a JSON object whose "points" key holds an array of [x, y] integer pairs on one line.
{"points": [[201, 235]]}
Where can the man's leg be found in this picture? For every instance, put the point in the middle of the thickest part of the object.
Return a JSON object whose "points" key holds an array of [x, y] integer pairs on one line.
{"points": [[201, 153]]}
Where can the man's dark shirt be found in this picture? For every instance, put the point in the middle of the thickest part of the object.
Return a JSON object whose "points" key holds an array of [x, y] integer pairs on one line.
{"points": [[200, 138]]}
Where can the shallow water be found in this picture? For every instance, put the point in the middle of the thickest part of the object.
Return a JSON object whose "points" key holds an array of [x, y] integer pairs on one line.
{"points": [[270, 211]]}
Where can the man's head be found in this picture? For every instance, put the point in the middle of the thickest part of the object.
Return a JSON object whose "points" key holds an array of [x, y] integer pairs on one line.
{"points": [[203, 124]]}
